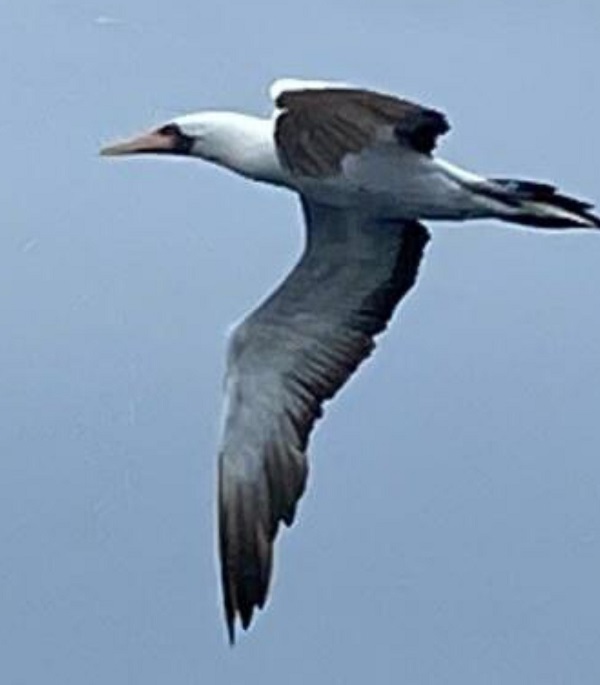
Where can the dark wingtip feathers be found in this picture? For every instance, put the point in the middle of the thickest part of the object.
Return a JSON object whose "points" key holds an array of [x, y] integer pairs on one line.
{"points": [[247, 530]]}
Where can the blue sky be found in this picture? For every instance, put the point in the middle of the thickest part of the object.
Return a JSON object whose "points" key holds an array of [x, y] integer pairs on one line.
{"points": [[451, 531]]}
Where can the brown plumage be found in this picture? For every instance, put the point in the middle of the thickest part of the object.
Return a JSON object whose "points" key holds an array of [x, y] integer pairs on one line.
{"points": [[318, 128]]}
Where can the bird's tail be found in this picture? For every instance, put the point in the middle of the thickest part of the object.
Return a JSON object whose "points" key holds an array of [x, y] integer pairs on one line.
{"points": [[539, 204]]}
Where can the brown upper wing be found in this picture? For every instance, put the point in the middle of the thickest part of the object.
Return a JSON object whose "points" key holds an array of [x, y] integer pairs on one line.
{"points": [[317, 128]]}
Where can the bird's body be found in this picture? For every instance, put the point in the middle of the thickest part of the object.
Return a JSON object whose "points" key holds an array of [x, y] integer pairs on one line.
{"points": [[364, 165], [384, 179]]}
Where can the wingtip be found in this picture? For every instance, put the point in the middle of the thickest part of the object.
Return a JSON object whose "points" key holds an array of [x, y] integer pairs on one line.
{"points": [[231, 633], [230, 621], [244, 616]]}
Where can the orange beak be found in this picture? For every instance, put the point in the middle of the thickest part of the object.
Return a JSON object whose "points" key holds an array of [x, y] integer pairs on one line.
{"points": [[154, 141]]}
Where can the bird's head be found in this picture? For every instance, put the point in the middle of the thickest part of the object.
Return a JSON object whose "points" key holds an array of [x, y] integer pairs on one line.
{"points": [[201, 134], [238, 142]]}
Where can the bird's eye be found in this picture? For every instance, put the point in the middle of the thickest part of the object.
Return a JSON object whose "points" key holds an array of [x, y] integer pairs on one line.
{"points": [[180, 143], [169, 130]]}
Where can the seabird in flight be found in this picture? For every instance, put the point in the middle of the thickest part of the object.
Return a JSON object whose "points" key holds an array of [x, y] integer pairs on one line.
{"points": [[363, 165]]}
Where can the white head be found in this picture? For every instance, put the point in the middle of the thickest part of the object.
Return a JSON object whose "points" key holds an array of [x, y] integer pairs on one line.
{"points": [[233, 140], [199, 134]]}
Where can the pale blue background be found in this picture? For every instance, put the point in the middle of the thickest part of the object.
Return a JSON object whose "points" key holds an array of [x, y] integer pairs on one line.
{"points": [[451, 531]]}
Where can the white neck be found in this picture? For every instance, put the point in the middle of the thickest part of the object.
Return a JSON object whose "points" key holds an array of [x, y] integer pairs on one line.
{"points": [[245, 144]]}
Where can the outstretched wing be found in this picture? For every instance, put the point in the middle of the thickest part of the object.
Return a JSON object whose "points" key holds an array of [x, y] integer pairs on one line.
{"points": [[318, 127], [289, 356]]}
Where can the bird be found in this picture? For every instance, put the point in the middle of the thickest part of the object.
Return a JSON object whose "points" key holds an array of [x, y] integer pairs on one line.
{"points": [[363, 163]]}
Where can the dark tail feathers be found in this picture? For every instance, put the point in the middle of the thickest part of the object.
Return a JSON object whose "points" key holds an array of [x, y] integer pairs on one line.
{"points": [[543, 205]]}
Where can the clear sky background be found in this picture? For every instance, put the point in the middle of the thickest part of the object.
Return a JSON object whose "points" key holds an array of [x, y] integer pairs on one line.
{"points": [[451, 530]]}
